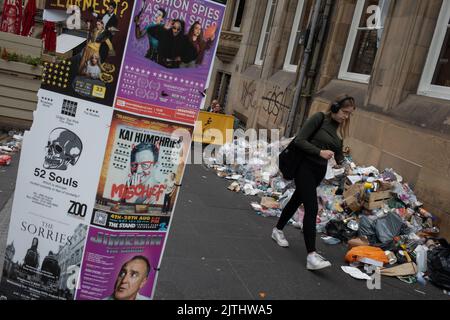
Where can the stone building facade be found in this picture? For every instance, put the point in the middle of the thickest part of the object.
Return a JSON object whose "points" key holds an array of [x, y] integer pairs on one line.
{"points": [[392, 56], [250, 77]]}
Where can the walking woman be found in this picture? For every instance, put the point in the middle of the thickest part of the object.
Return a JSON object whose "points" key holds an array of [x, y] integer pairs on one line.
{"points": [[319, 140]]}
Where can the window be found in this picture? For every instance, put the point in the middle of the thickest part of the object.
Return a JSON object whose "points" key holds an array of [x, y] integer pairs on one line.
{"points": [[237, 16], [265, 32], [294, 48], [221, 88], [435, 80], [364, 40], [241, 121]]}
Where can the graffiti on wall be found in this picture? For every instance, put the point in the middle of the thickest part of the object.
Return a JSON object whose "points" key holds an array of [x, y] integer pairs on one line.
{"points": [[274, 104], [248, 97]]}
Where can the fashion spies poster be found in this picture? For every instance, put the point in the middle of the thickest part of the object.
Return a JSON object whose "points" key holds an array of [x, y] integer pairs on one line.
{"points": [[170, 51]]}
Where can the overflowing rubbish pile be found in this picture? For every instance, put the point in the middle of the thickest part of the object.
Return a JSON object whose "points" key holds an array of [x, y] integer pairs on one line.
{"points": [[10, 143], [375, 213]]}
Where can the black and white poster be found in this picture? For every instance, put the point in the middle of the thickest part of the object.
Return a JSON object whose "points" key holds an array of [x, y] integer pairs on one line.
{"points": [[55, 193]]}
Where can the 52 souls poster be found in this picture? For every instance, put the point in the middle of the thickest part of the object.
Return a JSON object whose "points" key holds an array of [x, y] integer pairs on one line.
{"points": [[143, 166], [92, 69], [46, 235]]}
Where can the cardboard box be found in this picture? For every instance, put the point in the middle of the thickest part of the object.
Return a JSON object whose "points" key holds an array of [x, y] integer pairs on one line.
{"points": [[270, 203], [376, 200], [354, 197]]}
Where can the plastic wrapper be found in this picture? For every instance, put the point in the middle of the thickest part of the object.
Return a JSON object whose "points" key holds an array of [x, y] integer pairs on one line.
{"points": [[271, 213], [279, 184], [405, 194], [286, 197], [367, 171], [249, 190], [331, 240]]}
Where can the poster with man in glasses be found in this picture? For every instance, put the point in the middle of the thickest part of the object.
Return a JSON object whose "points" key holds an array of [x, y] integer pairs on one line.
{"points": [[144, 160]]}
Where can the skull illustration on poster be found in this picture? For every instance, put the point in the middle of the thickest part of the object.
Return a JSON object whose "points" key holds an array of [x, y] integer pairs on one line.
{"points": [[63, 148]]}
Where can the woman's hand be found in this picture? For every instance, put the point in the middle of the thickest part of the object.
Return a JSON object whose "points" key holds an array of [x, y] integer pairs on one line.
{"points": [[327, 154]]}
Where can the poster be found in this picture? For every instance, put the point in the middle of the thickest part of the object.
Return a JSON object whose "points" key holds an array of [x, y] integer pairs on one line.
{"points": [[91, 71], [43, 255], [170, 51], [120, 265], [97, 186], [62, 155], [214, 128], [142, 169], [54, 198]]}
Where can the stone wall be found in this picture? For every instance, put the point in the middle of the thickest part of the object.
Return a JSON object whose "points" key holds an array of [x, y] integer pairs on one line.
{"points": [[260, 95]]}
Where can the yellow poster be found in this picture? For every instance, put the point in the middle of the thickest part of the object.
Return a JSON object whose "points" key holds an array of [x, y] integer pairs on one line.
{"points": [[214, 128]]}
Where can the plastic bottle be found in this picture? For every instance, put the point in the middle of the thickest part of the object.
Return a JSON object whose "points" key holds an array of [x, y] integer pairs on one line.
{"points": [[421, 258]]}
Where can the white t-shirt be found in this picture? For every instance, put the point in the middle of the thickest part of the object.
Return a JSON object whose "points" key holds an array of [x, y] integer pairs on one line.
{"points": [[170, 186]]}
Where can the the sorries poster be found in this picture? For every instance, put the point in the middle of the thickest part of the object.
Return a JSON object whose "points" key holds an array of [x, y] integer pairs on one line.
{"points": [[42, 257], [54, 197], [93, 69], [168, 58], [142, 169]]}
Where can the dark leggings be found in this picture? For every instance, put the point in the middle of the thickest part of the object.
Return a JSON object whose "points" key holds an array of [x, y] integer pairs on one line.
{"points": [[166, 205], [309, 177]]}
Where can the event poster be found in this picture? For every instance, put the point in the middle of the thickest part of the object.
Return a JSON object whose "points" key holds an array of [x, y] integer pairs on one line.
{"points": [[54, 198], [170, 52], [62, 156], [43, 255], [91, 72], [142, 170], [120, 265]]}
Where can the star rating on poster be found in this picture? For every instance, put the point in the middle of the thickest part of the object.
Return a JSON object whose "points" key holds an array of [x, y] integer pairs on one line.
{"points": [[134, 75], [46, 99], [56, 74]]}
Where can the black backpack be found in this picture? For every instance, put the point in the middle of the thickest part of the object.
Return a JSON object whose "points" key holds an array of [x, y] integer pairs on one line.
{"points": [[289, 160], [438, 263]]}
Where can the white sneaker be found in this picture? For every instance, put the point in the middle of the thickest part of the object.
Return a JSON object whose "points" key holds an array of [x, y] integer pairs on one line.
{"points": [[316, 262], [279, 237]]}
